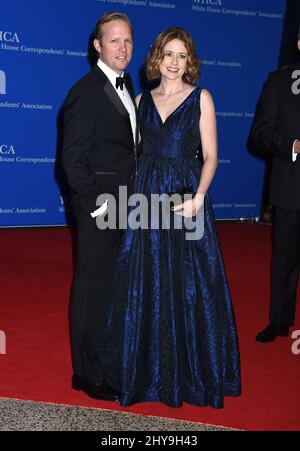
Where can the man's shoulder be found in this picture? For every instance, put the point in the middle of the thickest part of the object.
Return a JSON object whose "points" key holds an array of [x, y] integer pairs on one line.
{"points": [[87, 84], [283, 73]]}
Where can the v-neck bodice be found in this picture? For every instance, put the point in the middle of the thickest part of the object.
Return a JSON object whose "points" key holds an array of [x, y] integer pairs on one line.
{"points": [[178, 136], [175, 109]]}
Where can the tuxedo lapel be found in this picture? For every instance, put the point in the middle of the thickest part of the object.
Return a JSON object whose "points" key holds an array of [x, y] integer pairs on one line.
{"points": [[115, 99], [113, 96]]}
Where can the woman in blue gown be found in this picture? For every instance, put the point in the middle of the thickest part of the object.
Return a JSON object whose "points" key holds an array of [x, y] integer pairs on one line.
{"points": [[169, 334]]}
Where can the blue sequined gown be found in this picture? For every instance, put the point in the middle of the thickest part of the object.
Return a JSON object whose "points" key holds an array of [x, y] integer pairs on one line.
{"points": [[169, 334]]}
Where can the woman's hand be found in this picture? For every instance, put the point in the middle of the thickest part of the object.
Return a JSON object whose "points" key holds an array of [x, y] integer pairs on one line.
{"points": [[190, 207]]}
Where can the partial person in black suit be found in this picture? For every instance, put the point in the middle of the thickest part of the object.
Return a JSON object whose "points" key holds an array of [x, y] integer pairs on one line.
{"points": [[276, 129], [99, 156]]}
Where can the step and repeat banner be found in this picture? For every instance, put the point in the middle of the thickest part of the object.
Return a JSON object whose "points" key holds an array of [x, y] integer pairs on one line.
{"points": [[44, 50]]}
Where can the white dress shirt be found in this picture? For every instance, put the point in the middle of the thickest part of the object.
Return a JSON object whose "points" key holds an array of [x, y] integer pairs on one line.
{"points": [[294, 154]]}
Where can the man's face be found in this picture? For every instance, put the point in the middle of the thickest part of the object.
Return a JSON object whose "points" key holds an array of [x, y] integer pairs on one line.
{"points": [[298, 44], [115, 49]]}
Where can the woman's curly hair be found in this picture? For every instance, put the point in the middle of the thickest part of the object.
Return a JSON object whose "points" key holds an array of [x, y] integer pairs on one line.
{"points": [[155, 56]]}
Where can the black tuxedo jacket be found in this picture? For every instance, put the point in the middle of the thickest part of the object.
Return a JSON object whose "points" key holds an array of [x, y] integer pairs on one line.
{"points": [[98, 146], [275, 128]]}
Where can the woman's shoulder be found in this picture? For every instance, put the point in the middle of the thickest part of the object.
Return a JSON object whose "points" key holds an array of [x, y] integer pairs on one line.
{"points": [[138, 98], [205, 95], [141, 96], [205, 92], [206, 101]]}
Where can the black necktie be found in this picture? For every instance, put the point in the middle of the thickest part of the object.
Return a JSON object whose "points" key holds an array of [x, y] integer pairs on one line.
{"points": [[120, 83]]}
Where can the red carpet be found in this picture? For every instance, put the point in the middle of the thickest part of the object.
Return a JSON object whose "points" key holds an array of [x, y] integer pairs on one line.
{"points": [[35, 277]]}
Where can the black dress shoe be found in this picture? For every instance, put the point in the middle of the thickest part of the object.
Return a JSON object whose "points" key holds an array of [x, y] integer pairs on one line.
{"points": [[270, 334], [95, 389]]}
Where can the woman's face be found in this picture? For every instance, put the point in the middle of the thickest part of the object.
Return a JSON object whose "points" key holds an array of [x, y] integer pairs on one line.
{"points": [[174, 62]]}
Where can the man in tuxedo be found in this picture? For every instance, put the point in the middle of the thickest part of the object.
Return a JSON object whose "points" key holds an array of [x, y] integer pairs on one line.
{"points": [[99, 156], [276, 129]]}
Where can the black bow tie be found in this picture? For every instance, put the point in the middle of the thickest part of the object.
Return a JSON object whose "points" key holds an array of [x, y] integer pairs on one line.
{"points": [[120, 82]]}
